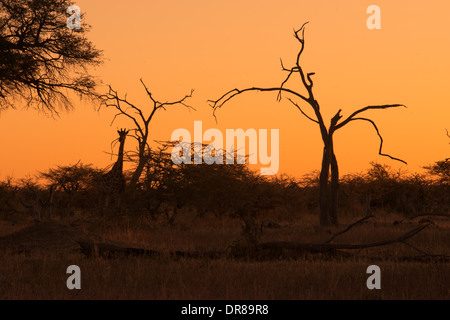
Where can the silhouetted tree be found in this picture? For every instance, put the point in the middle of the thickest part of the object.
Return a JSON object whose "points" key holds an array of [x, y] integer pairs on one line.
{"points": [[440, 169], [328, 187], [41, 59], [72, 178], [140, 120]]}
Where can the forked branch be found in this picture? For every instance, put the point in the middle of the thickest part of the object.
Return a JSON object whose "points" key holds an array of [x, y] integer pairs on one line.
{"points": [[306, 80], [162, 105]]}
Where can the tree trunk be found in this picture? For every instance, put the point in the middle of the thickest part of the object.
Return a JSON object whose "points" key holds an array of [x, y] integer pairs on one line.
{"points": [[334, 190], [329, 190], [323, 185], [137, 173], [139, 169]]}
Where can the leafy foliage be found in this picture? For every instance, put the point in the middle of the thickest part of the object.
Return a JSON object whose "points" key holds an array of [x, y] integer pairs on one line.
{"points": [[441, 170], [40, 57], [72, 178]]}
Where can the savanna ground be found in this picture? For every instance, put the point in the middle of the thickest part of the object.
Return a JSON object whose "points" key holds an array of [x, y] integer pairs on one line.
{"points": [[229, 211], [35, 257]]}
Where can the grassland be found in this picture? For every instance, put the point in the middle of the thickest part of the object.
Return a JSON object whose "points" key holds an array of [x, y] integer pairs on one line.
{"points": [[34, 260]]}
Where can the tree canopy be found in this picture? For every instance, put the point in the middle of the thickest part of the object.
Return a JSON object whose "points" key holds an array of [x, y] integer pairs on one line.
{"points": [[41, 59]]}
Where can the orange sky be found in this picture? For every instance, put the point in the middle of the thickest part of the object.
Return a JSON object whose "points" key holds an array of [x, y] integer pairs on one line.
{"points": [[214, 46]]}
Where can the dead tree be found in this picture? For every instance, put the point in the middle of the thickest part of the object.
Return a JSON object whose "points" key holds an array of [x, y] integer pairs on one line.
{"points": [[329, 175], [140, 120], [264, 250]]}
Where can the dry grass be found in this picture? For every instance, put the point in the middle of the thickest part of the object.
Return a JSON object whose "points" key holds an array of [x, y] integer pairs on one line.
{"points": [[41, 274]]}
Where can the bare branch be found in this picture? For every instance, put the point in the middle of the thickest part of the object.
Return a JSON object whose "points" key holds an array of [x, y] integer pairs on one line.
{"points": [[343, 123], [381, 139], [283, 83], [302, 29], [348, 228], [301, 39], [298, 107], [334, 120], [309, 78], [181, 101], [291, 71], [158, 105], [217, 104], [148, 92], [283, 68], [298, 68], [112, 99]]}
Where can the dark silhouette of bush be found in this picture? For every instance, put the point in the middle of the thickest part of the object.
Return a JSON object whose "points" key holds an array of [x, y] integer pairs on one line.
{"points": [[394, 191], [8, 197], [228, 190], [440, 170], [74, 186]]}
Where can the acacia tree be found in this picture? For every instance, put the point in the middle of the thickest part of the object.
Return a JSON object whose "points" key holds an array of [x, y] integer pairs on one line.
{"points": [[329, 174], [140, 120], [441, 169], [41, 59]]}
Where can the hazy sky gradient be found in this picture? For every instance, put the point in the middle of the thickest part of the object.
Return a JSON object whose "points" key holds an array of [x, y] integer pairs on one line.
{"points": [[215, 46]]}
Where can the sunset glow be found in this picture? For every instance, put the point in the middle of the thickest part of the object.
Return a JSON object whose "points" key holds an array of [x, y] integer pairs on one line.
{"points": [[215, 46]]}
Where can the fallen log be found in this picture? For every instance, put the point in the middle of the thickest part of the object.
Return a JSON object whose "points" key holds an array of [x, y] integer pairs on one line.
{"points": [[262, 250], [109, 250], [113, 251], [331, 247]]}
